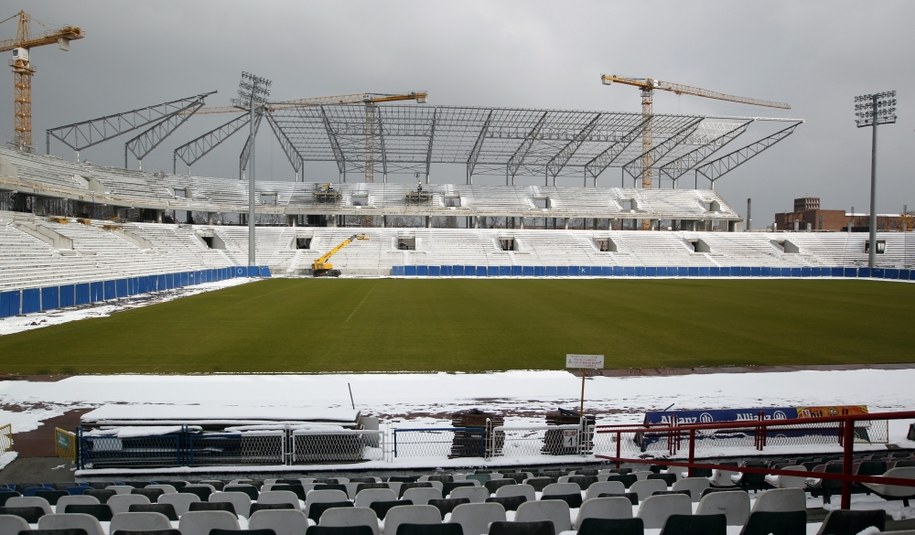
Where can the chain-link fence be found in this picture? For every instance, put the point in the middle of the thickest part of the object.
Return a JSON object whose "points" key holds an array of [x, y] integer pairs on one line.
{"points": [[337, 446], [440, 442]]}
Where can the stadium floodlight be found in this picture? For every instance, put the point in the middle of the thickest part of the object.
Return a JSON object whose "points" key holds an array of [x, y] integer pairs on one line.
{"points": [[252, 94], [873, 110]]}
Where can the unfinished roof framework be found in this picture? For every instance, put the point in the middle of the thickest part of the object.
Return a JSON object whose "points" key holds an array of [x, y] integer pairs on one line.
{"points": [[408, 139]]}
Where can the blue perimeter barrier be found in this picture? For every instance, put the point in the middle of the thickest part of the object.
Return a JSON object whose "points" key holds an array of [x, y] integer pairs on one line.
{"points": [[649, 271], [30, 300]]}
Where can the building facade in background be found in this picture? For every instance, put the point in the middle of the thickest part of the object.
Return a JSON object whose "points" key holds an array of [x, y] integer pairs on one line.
{"points": [[808, 216]]}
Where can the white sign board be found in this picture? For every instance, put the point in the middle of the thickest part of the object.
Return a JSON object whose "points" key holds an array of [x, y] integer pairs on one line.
{"points": [[590, 362], [570, 438]]}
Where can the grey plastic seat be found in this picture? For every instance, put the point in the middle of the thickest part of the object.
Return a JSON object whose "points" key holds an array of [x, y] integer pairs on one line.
{"points": [[366, 497], [604, 487], [475, 518], [350, 516], [735, 504], [181, 501], [201, 522], [120, 503], [520, 489], [139, 521], [239, 500], [323, 496], [895, 492], [474, 494], [282, 521], [12, 524], [422, 495], [695, 486], [655, 509], [612, 507], [845, 522], [30, 501], [556, 511], [646, 487], [80, 499], [279, 496], [165, 487], [72, 520], [410, 514], [788, 499]]}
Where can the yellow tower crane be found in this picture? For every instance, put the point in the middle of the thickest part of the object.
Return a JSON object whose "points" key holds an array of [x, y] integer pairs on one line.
{"points": [[648, 85], [23, 69]]}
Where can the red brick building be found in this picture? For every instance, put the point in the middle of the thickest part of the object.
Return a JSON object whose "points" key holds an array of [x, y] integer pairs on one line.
{"points": [[808, 216]]}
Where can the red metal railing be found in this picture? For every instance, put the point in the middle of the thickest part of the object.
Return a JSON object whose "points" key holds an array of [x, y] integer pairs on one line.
{"points": [[675, 434]]}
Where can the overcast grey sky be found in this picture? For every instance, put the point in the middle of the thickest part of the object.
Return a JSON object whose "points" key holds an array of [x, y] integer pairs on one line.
{"points": [[816, 55]]}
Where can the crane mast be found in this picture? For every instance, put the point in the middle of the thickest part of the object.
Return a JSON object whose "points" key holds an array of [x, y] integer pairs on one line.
{"points": [[23, 70], [647, 87]]}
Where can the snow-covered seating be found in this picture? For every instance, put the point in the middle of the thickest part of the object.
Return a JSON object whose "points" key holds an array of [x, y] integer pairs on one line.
{"points": [[895, 492], [787, 499]]}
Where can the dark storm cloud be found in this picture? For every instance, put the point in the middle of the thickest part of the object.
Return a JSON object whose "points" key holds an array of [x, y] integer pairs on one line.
{"points": [[816, 55]]}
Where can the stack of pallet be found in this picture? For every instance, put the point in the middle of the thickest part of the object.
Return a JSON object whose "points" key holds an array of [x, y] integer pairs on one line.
{"points": [[470, 436], [568, 441]]}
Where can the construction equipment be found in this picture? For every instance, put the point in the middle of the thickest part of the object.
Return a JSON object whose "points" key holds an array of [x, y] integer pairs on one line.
{"points": [[648, 85], [322, 268], [23, 69]]}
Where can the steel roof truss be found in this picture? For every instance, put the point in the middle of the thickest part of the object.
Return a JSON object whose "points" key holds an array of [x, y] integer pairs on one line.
{"points": [[727, 163], [634, 167], [674, 169], [605, 159], [197, 148], [557, 162], [149, 139]]}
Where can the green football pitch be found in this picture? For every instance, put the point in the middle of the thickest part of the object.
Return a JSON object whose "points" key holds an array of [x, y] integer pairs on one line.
{"points": [[467, 325]]}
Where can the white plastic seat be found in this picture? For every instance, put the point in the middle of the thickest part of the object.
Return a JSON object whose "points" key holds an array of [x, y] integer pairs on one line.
{"points": [[13, 524], [784, 482], [139, 521], [77, 499], [281, 521], [789, 499], [121, 489], [559, 489], [735, 504], [323, 496], [367, 497], [410, 514], [646, 487], [181, 501], [72, 520], [604, 487], [350, 516], [476, 494], [556, 511], [422, 495], [239, 500], [166, 488], [655, 509], [30, 501], [475, 518], [695, 486], [610, 507], [120, 503], [280, 496], [517, 490], [895, 491], [201, 522]]}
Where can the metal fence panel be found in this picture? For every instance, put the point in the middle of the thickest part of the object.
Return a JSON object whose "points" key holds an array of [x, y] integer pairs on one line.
{"points": [[337, 446]]}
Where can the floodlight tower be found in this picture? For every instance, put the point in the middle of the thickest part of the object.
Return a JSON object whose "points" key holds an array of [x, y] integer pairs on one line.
{"points": [[872, 110], [252, 93]]}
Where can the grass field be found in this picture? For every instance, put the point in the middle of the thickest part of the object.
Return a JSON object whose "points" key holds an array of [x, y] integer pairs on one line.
{"points": [[302, 325]]}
